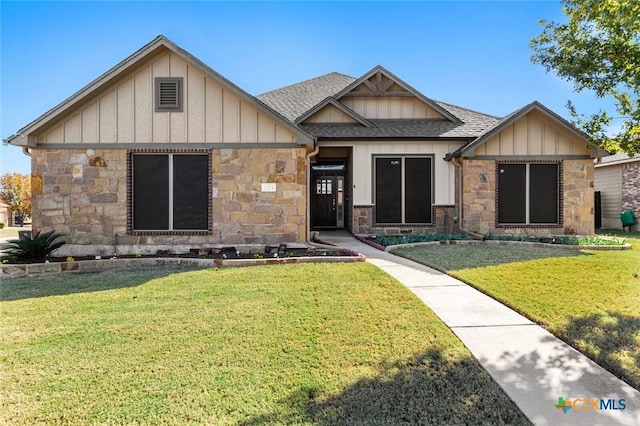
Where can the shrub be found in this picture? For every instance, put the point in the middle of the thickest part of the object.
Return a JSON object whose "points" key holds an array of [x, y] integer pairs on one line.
{"points": [[391, 240], [2, 224], [36, 248]]}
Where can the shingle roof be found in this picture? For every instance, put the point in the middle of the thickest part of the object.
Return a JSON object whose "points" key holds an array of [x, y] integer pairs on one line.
{"points": [[407, 128], [294, 100]]}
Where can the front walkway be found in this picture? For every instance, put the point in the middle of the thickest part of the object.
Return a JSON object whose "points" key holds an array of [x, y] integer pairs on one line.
{"points": [[532, 366]]}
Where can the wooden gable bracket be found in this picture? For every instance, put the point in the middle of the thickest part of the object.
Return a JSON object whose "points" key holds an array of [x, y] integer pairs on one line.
{"points": [[378, 87]]}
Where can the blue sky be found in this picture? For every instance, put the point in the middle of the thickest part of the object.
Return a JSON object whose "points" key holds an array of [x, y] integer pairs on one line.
{"points": [[472, 54]]}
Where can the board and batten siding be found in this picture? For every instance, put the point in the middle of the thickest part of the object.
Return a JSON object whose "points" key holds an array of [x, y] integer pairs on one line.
{"points": [[391, 107], [124, 112], [330, 114], [533, 135], [608, 180], [362, 171]]}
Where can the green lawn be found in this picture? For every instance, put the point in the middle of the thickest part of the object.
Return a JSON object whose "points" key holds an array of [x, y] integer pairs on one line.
{"points": [[284, 344], [590, 299]]}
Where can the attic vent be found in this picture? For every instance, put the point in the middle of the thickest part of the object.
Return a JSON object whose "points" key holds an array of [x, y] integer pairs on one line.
{"points": [[168, 94]]}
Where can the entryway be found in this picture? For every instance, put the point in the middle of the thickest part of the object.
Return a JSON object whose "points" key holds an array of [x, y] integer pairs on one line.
{"points": [[328, 194]]}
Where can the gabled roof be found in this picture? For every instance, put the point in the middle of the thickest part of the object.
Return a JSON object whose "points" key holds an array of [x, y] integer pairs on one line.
{"points": [[380, 70], [514, 116], [126, 65], [330, 101], [296, 99]]}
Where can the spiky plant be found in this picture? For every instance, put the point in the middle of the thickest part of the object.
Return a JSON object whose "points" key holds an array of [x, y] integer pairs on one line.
{"points": [[36, 248]]}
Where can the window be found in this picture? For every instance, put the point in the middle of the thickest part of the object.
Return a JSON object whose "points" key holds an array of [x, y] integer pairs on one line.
{"points": [[403, 190], [170, 192], [528, 193], [168, 94]]}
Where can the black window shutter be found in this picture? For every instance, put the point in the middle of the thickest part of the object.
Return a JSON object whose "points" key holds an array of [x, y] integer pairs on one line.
{"points": [[190, 192], [543, 193], [512, 193], [150, 192], [388, 190], [417, 198]]}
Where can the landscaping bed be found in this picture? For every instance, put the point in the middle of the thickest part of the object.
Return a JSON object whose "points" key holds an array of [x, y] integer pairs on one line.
{"points": [[390, 242], [221, 256]]}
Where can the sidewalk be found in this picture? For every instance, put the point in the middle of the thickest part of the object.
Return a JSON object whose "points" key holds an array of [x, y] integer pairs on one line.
{"points": [[532, 366]]}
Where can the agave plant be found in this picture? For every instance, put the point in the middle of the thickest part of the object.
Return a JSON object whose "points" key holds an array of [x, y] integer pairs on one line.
{"points": [[36, 248]]}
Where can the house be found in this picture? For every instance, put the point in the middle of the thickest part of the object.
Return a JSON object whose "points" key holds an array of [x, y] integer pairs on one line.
{"points": [[5, 217], [162, 152], [617, 179]]}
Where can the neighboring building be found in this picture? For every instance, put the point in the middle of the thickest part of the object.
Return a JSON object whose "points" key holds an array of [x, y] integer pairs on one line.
{"points": [[162, 152], [617, 178], [5, 216]]}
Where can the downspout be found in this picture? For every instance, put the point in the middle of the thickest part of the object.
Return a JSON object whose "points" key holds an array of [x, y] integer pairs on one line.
{"points": [[458, 164], [25, 151]]}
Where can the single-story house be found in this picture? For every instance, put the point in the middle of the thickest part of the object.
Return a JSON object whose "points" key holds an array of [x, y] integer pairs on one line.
{"points": [[617, 178], [162, 152]]}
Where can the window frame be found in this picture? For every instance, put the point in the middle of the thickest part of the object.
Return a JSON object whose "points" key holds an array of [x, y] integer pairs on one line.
{"points": [[403, 222], [527, 223], [130, 192], [178, 106]]}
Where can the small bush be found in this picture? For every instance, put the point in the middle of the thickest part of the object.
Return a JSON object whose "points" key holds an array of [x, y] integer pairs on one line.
{"points": [[37, 248], [392, 240], [2, 224]]}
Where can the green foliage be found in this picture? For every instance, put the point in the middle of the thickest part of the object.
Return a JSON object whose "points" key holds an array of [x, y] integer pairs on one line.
{"points": [[565, 240], [15, 190], [37, 248], [2, 225], [598, 49], [312, 344], [392, 240]]}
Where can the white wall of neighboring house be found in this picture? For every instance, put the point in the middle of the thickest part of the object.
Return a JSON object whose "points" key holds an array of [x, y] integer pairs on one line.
{"points": [[615, 178]]}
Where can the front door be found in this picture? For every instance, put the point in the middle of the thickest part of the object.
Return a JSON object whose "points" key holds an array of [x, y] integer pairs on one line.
{"points": [[327, 196]]}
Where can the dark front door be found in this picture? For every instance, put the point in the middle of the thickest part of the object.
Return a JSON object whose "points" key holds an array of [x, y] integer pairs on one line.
{"points": [[327, 196]]}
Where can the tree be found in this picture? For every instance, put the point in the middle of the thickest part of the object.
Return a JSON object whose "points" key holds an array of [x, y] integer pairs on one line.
{"points": [[598, 49], [15, 190]]}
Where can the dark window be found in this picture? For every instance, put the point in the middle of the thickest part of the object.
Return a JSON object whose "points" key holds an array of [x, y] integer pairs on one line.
{"points": [[170, 192], [168, 93], [388, 194], [528, 193], [403, 190]]}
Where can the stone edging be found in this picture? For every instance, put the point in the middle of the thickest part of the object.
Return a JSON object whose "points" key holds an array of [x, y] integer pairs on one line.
{"points": [[508, 243], [34, 269]]}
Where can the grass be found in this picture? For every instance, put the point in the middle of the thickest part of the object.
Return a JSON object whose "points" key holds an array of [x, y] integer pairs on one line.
{"points": [[589, 299], [287, 344]]}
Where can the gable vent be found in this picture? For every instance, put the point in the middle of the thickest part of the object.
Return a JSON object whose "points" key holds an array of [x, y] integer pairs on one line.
{"points": [[168, 93]]}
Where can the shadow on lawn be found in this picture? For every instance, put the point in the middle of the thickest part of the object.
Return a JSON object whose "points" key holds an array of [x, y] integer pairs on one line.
{"points": [[82, 282], [455, 257], [611, 340], [427, 389]]}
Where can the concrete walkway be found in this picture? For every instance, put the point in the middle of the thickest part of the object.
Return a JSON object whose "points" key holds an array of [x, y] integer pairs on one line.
{"points": [[532, 366]]}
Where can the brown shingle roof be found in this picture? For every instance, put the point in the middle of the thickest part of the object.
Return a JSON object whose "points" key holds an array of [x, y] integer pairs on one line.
{"points": [[295, 100]]}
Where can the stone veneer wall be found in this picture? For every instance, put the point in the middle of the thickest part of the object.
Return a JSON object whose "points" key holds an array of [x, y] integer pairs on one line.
{"points": [[363, 222], [479, 195], [83, 194], [631, 190]]}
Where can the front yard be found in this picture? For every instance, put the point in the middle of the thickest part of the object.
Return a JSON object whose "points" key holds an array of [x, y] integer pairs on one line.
{"points": [[290, 344], [590, 299]]}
